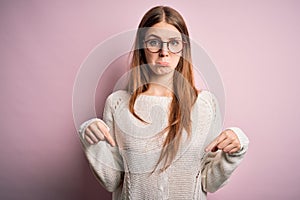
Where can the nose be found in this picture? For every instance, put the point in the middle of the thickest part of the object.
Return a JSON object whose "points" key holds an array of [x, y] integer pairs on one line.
{"points": [[164, 50]]}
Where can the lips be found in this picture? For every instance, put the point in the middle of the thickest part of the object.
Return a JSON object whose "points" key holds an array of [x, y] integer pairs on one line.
{"points": [[162, 63]]}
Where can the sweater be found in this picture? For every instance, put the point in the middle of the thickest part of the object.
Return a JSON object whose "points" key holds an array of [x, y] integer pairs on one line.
{"points": [[126, 170]]}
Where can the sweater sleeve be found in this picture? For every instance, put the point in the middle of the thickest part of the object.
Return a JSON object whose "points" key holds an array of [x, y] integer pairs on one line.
{"points": [[216, 167], [105, 160]]}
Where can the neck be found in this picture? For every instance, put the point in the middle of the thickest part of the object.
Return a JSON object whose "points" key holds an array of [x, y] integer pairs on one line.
{"points": [[161, 85]]}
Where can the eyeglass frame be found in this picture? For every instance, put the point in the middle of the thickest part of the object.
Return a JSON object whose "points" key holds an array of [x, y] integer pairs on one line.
{"points": [[162, 43]]}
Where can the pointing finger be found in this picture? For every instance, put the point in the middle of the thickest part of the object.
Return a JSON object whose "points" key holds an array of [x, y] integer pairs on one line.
{"points": [[105, 130], [213, 145]]}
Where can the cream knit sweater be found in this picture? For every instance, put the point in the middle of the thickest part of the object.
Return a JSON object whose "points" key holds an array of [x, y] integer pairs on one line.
{"points": [[126, 169]]}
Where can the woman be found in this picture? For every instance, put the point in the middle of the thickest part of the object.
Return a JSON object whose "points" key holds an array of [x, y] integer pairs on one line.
{"points": [[161, 138]]}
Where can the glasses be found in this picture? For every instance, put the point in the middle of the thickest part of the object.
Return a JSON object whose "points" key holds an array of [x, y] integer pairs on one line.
{"points": [[155, 45]]}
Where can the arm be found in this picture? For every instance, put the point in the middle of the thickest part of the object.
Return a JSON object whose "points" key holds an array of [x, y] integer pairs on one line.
{"points": [[103, 158], [217, 166]]}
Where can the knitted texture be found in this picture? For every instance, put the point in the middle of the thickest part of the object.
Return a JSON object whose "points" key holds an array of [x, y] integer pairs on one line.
{"points": [[127, 169]]}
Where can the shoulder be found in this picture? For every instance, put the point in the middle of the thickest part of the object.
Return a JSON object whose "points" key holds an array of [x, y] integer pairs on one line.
{"points": [[209, 100], [117, 97], [119, 94], [207, 97]]}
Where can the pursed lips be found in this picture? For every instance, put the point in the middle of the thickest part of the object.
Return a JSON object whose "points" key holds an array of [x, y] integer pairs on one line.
{"points": [[162, 63]]}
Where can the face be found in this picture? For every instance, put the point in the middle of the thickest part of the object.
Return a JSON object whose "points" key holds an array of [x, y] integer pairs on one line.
{"points": [[164, 61]]}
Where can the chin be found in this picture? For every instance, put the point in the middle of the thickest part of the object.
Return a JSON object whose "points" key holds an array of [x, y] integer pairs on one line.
{"points": [[162, 70]]}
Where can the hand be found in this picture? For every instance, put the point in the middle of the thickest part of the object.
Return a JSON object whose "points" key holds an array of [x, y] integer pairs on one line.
{"points": [[227, 141], [97, 131]]}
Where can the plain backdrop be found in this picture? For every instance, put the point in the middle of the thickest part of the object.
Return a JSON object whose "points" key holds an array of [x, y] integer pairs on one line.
{"points": [[254, 45]]}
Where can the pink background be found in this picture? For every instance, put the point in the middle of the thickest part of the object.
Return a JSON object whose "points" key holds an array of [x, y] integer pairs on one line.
{"points": [[254, 44]]}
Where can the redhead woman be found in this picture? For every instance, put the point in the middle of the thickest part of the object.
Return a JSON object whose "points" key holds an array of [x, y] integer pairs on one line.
{"points": [[161, 138]]}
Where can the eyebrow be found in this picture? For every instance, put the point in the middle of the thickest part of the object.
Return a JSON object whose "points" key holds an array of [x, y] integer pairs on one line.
{"points": [[171, 38]]}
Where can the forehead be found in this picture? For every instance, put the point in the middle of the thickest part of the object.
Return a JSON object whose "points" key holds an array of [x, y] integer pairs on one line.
{"points": [[163, 30]]}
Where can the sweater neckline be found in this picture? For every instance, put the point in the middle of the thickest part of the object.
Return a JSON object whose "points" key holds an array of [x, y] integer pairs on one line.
{"points": [[160, 97], [155, 98]]}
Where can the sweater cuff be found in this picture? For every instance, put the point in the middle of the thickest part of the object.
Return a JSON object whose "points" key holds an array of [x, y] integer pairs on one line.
{"points": [[243, 140]]}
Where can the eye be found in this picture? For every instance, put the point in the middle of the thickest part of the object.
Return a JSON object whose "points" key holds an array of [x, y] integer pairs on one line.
{"points": [[154, 42], [174, 42]]}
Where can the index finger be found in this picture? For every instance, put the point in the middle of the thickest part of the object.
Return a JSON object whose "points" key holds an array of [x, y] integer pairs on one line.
{"points": [[104, 129], [215, 143]]}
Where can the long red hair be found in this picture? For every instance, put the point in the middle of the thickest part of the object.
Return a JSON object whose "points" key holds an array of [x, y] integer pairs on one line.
{"points": [[185, 92]]}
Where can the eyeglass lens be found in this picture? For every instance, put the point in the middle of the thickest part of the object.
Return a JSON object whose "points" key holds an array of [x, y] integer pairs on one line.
{"points": [[155, 45]]}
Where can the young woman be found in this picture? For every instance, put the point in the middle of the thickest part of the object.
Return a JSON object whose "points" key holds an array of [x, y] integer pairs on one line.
{"points": [[162, 138]]}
